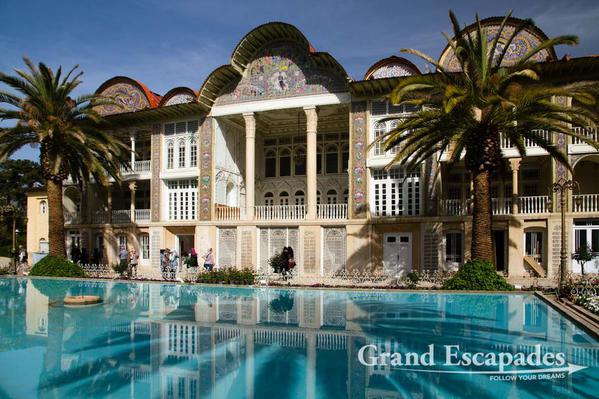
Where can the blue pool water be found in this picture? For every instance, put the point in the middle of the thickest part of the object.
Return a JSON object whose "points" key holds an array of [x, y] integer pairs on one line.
{"points": [[168, 341]]}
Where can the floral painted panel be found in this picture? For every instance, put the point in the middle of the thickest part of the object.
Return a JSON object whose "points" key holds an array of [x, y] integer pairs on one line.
{"points": [[522, 43], [180, 99], [391, 70], [282, 70], [155, 182], [358, 180], [128, 97], [206, 169]]}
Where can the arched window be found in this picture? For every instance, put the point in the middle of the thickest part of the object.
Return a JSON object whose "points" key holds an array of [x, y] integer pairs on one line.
{"points": [[270, 164], [332, 159], [346, 196], [285, 162], [379, 130], [283, 198], [299, 161], [193, 153], [269, 199], [43, 207], [300, 198], [170, 155], [331, 197], [181, 153], [44, 246], [344, 158]]}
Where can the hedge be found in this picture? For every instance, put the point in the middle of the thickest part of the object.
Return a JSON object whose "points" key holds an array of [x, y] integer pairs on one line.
{"points": [[53, 266], [477, 275]]}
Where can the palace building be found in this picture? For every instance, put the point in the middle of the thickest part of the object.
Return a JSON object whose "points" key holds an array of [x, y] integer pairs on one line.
{"points": [[274, 150]]}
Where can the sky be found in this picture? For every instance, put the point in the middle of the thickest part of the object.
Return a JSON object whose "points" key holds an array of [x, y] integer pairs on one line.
{"points": [[170, 43]]}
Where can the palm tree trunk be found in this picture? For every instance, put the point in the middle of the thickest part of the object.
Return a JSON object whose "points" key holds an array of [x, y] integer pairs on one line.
{"points": [[56, 235], [482, 244]]}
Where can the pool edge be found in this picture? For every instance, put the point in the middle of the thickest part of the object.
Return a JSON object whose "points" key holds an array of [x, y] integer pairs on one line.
{"points": [[589, 327]]}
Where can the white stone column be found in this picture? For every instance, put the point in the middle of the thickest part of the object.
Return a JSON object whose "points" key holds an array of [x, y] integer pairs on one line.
{"points": [[515, 165], [250, 163], [311, 150], [132, 138], [132, 188]]}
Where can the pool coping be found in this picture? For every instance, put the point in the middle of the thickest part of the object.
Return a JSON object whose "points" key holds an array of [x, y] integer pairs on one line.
{"points": [[571, 314], [281, 287]]}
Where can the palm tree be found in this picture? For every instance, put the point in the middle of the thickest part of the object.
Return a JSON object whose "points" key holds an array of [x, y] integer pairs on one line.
{"points": [[67, 130], [464, 113]]}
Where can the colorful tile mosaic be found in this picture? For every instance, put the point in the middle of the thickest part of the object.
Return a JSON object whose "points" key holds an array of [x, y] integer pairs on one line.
{"points": [[205, 169], [128, 97], [391, 70], [155, 182], [522, 43], [358, 180], [180, 99], [281, 70]]}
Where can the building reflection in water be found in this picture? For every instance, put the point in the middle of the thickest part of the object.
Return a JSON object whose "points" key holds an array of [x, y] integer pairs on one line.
{"points": [[169, 341]]}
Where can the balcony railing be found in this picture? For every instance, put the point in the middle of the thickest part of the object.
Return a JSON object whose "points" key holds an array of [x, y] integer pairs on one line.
{"points": [[588, 132], [501, 206], [528, 143], [280, 212], [453, 207], [142, 215], [138, 167], [332, 211], [99, 217], [223, 212], [586, 203], [121, 216], [535, 204], [71, 218]]}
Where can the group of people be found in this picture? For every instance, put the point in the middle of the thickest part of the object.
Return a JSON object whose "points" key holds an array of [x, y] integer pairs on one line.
{"points": [[81, 256], [129, 261], [288, 263], [170, 263]]}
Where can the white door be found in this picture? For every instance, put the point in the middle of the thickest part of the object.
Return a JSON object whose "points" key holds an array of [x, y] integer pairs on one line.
{"points": [[397, 254]]}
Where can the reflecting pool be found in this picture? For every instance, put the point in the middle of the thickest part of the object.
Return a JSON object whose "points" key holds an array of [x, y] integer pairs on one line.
{"points": [[170, 341]]}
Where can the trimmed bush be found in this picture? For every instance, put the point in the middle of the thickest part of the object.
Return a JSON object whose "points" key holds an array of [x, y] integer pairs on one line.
{"points": [[227, 276], [477, 275], [53, 266]]}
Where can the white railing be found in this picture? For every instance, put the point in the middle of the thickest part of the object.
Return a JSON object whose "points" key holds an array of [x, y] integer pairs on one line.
{"points": [[99, 217], [224, 212], [453, 207], [138, 166], [588, 132], [528, 143], [586, 202], [280, 212], [142, 215], [536, 204], [71, 217], [501, 206], [331, 211], [121, 216]]}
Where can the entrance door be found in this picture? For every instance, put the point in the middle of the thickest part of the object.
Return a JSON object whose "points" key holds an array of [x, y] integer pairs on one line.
{"points": [[397, 254], [185, 244], [499, 243], [534, 245], [586, 233]]}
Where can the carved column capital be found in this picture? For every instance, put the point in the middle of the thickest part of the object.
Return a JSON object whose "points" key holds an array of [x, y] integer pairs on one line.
{"points": [[311, 119], [250, 124]]}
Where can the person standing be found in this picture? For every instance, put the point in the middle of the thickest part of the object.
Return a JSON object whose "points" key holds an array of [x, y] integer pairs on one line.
{"points": [[96, 256], [208, 260], [84, 257], [75, 253], [123, 259], [174, 263], [134, 259]]}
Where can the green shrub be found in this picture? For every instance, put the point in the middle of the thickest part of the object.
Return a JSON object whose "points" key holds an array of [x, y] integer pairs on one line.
{"points": [[120, 268], [477, 275], [53, 266], [277, 262], [227, 276], [412, 279]]}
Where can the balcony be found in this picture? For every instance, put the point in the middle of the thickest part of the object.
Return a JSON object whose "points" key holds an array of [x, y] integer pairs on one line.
{"points": [[331, 211], [224, 212], [591, 133], [142, 215], [586, 203], [454, 207], [138, 167], [501, 206], [71, 217], [280, 212], [121, 216], [533, 204]]}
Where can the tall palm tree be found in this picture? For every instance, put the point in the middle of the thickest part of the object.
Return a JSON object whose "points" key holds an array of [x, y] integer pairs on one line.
{"points": [[464, 113], [68, 131]]}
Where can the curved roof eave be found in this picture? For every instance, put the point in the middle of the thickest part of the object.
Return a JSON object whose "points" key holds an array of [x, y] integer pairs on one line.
{"points": [[393, 59], [177, 90], [153, 98], [534, 29]]}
